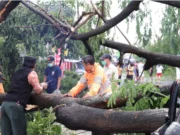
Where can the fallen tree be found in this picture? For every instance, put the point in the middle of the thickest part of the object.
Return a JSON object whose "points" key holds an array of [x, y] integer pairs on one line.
{"points": [[86, 113], [77, 113]]}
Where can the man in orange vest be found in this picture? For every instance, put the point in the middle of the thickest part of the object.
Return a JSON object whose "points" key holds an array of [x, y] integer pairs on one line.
{"points": [[94, 78]]}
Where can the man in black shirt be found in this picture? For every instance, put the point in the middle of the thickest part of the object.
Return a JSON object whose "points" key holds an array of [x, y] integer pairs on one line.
{"points": [[24, 80]]}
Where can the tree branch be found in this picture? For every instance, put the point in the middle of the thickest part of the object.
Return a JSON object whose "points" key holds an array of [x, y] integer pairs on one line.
{"points": [[132, 6], [151, 57], [80, 18], [64, 23], [174, 3], [79, 25], [86, 44], [97, 11], [47, 17], [6, 6]]}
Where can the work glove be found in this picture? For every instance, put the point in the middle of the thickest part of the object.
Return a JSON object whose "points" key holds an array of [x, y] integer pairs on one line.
{"points": [[57, 92], [44, 85]]}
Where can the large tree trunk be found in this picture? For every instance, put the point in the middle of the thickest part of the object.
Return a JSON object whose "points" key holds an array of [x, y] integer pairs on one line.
{"points": [[76, 113], [76, 116]]}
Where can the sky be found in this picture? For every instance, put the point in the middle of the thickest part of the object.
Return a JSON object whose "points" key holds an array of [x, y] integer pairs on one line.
{"points": [[157, 15]]}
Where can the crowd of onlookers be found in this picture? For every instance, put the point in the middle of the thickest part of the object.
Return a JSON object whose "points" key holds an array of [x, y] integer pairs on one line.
{"points": [[135, 71]]}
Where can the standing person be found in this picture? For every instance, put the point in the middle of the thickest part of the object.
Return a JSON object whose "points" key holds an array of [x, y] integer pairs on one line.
{"points": [[159, 69], [24, 80], [1, 80], [119, 67], [110, 70], [136, 72], [178, 74], [130, 73], [94, 78], [151, 73], [140, 70], [52, 76]]}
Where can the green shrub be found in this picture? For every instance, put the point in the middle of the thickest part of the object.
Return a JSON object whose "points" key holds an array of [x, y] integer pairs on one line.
{"points": [[149, 96], [41, 123], [69, 81]]}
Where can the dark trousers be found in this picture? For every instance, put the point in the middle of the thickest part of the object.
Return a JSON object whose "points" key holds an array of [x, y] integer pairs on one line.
{"points": [[13, 120], [129, 77]]}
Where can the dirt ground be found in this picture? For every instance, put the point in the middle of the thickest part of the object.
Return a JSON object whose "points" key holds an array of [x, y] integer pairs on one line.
{"points": [[66, 131]]}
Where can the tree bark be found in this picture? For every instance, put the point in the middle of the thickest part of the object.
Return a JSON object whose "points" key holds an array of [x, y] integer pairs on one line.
{"points": [[86, 44], [174, 3], [6, 6], [77, 114], [151, 57], [75, 117]]}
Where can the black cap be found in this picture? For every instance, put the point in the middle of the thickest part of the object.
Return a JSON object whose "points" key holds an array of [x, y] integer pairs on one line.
{"points": [[29, 62], [50, 58], [106, 56]]}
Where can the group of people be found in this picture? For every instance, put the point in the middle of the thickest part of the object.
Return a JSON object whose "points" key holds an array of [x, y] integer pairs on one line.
{"points": [[134, 71], [25, 80]]}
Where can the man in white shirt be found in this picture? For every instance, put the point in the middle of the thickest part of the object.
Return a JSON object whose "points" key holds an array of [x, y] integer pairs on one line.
{"points": [[159, 69], [111, 70], [140, 67]]}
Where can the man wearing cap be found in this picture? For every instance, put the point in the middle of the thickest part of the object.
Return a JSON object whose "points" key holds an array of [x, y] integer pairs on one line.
{"points": [[24, 80], [94, 78], [111, 71], [52, 76]]}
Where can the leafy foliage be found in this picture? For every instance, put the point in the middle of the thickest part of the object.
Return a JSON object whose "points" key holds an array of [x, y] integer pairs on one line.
{"points": [[139, 96], [16, 41], [143, 27], [42, 123], [69, 81]]}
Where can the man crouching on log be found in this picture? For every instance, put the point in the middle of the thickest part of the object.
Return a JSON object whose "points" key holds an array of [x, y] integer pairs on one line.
{"points": [[94, 78], [13, 121]]}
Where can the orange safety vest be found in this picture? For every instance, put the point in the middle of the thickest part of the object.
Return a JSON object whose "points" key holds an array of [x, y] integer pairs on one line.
{"points": [[96, 82], [1, 88]]}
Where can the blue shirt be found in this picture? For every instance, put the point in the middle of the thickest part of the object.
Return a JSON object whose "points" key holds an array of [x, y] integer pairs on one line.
{"points": [[52, 74]]}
